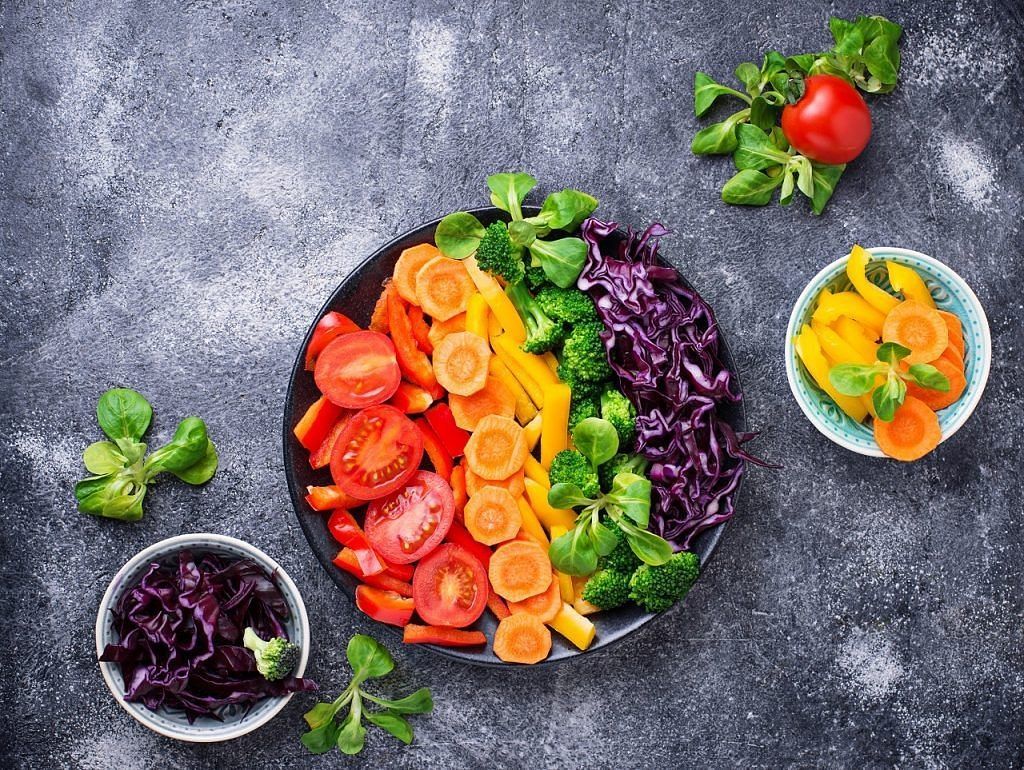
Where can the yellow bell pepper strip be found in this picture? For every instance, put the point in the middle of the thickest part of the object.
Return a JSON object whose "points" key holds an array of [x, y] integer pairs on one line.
{"points": [[574, 627], [525, 410], [550, 517], [809, 350], [551, 361], [565, 587], [875, 296], [839, 351], [909, 283], [533, 365], [501, 306], [476, 315], [581, 605], [534, 470], [532, 432], [531, 524], [856, 336], [555, 422], [501, 345], [851, 304]]}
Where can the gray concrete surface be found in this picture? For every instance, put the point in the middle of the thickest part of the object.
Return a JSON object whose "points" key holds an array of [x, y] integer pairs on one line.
{"points": [[183, 186]]}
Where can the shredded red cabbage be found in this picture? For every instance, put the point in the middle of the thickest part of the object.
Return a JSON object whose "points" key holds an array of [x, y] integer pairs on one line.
{"points": [[662, 342], [181, 631]]}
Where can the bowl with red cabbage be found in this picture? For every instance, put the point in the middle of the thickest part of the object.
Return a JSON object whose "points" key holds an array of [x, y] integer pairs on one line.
{"points": [[169, 637]]}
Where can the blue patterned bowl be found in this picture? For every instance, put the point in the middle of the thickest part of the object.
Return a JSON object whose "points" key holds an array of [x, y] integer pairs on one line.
{"points": [[236, 721], [949, 291]]}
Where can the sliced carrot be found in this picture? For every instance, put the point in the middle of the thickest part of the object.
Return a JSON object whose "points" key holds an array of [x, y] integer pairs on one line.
{"points": [[515, 484], [937, 399], [408, 266], [379, 317], [952, 355], [492, 516], [411, 398], [497, 448], [543, 606], [443, 288], [442, 635], [497, 605], [459, 491], [912, 433], [460, 363], [955, 329], [420, 329], [492, 398], [413, 362], [918, 328], [519, 570], [441, 329], [522, 638]]}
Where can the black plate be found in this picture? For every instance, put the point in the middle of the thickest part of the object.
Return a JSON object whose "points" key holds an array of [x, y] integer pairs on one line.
{"points": [[355, 297]]}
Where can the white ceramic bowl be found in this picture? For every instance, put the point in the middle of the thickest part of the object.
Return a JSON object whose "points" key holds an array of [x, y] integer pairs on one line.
{"points": [[237, 721]]}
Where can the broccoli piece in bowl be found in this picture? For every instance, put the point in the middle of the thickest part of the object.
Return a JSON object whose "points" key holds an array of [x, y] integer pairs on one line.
{"points": [[276, 658]]}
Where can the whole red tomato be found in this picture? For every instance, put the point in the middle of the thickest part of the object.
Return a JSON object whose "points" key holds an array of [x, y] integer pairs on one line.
{"points": [[830, 123]]}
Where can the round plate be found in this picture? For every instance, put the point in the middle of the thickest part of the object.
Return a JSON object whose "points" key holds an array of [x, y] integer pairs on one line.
{"points": [[355, 297]]}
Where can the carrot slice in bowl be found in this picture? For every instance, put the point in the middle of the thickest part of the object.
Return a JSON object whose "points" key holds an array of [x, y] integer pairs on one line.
{"points": [[938, 399], [912, 433], [522, 638], [408, 266], [543, 606], [497, 448], [460, 363], [519, 569], [493, 398], [918, 328], [514, 484], [492, 516], [443, 288]]}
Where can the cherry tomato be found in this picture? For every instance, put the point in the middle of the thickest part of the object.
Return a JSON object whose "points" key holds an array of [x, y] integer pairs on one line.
{"points": [[376, 453], [410, 523], [358, 369], [830, 123], [450, 587]]}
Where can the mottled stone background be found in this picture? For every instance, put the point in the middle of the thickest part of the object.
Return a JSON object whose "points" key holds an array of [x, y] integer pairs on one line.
{"points": [[184, 186]]}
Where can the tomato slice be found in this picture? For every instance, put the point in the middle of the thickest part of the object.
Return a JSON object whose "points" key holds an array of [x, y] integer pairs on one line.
{"points": [[358, 369], [409, 524], [376, 453], [450, 587], [331, 326]]}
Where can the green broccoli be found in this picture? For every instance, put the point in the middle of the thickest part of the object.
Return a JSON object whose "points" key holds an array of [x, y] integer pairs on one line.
{"points": [[498, 256], [568, 305], [276, 658], [607, 589], [536, 277], [621, 559], [616, 409], [621, 463], [582, 408], [583, 357], [571, 467], [658, 588], [542, 334]]}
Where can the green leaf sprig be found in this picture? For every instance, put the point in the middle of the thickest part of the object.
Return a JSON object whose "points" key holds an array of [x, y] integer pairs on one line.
{"points": [[458, 235], [121, 470], [627, 505], [866, 53], [369, 660], [858, 379]]}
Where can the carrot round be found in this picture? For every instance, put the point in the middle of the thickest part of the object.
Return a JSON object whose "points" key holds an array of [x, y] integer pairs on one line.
{"points": [[912, 433], [937, 399], [918, 328], [497, 448], [408, 266], [955, 329], [543, 606], [492, 516], [460, 363], [519, 570], [441, 329], [493, 398], [443, 288], [522, 638], [514, 484], [952, 355], [379, 316]]}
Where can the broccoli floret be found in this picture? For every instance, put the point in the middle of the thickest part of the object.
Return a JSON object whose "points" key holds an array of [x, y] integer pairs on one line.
{"points": [[542, 334], [571, 467], [583, 356], [658, 588], [568, 305], [536, 278], [582, 408], [275, 659], [621, 463], [581, 388], [497, 255], [622, 559], [616, 409], [607, 589]]}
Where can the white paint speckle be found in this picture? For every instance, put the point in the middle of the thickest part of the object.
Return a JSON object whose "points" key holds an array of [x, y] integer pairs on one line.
{"points": [[871, 665], [969, 169], [433, 55]]}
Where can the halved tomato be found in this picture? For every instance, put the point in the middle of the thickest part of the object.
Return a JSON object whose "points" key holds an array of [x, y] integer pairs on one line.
{"points": [[449, 587], [358, 369], [376, 453], [409, 524]]}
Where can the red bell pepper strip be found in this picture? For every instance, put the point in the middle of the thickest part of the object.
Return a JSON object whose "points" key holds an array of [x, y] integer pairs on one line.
{"points": [[448, 637], [497, 605], [330, 497], [316, 423], [379, 317], [452, 436], [420, 329], [459, 535], [412, 361], [321, 458], [459, 492], [384, 606], [348, 560], [329, 327], [439, 457], [410, 398], [346, 530]]}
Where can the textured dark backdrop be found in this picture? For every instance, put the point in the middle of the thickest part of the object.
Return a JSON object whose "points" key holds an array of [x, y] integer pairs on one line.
{"points": [[182, 188]]}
